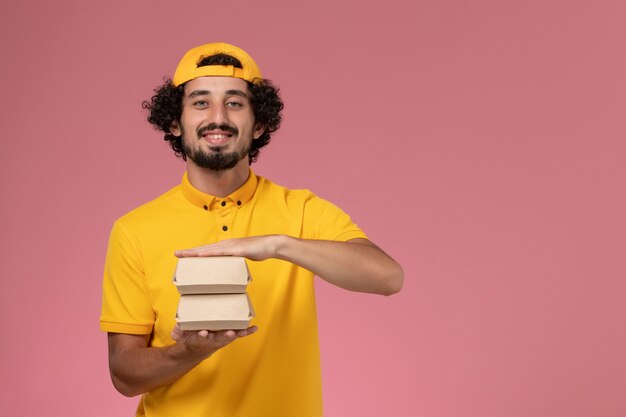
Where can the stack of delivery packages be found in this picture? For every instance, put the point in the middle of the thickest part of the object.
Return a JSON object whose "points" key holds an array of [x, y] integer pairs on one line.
{"points": [[213, 293]]}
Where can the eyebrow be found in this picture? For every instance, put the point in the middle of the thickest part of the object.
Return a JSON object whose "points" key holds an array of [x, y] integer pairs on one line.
{"points": [[196, 93]]}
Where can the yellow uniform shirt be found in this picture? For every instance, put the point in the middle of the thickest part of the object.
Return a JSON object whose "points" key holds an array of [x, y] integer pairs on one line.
{"points": [[276, 371]]}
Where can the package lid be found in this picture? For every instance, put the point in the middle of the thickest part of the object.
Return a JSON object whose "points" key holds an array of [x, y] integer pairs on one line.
{"points": [[214, 311], [212, 275]]}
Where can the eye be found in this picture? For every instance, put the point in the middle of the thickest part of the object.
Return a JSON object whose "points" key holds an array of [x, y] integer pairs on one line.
{"points": [[200, 103], [234, 104]]}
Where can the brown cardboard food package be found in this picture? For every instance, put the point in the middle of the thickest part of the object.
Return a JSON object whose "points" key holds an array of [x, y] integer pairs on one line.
{"points": [[214, 312], [212, 275]]}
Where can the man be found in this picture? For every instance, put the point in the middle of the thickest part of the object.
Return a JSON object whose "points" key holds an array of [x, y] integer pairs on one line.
{"points": [[217, 112]]}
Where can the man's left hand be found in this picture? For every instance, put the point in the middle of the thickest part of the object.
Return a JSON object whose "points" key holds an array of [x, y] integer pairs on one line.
{"points": [[256, 248]]}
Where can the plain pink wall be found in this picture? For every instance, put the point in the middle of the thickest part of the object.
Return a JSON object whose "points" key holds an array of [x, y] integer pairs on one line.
{"points": [[481, 143]]}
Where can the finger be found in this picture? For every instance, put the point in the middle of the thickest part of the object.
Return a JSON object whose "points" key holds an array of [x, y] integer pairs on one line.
{"points": [[185, 253], [224, 247], [247, 332], [176, 333], [224, 337], [237, 334]]}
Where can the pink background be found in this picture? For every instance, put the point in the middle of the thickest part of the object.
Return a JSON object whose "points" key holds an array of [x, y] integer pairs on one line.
{"points": [[481, 143]]}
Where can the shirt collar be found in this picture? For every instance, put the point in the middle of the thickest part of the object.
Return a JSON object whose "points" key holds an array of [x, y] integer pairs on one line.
{"points": [[238, 198]]}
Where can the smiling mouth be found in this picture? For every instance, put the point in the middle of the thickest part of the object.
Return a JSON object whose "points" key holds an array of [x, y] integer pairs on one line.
{"points": [[217, 139], [217, 135]]}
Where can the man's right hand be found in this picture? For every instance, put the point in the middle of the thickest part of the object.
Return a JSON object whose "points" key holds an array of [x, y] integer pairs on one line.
{"points": [[137, 368], [205, 342]]}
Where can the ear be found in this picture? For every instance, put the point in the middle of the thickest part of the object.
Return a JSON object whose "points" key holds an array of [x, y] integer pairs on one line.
{"points": [[258, 131], [175, 128]]}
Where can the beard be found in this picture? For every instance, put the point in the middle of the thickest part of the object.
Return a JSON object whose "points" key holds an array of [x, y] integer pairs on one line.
{"points": [[217, 159]]}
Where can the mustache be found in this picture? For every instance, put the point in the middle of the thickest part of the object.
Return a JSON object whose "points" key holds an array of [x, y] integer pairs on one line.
{"points": [[214, 126]]}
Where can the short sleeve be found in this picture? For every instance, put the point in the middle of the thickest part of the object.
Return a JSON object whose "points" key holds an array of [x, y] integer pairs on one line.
{"points": [[325, 221], [126, 306]]}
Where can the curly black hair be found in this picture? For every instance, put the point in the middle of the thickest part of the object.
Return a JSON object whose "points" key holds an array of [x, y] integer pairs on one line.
{"points": [[166, 105]]}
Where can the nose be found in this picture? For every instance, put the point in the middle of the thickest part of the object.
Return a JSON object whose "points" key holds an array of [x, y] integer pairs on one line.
{"points": [[218, 114]]}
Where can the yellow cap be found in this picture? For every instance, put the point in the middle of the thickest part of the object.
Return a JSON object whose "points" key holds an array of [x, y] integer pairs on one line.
{"points": [[188, 66]]}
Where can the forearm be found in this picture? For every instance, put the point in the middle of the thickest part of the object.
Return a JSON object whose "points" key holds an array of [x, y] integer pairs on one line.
{"points": [[356, 265], [136, 369]]}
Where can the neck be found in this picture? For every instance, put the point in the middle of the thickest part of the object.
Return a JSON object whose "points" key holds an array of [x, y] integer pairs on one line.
{"points": [[218, 183]]}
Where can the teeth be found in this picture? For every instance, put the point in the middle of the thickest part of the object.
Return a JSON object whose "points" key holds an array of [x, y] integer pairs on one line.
{"points": [[217, 136]]}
